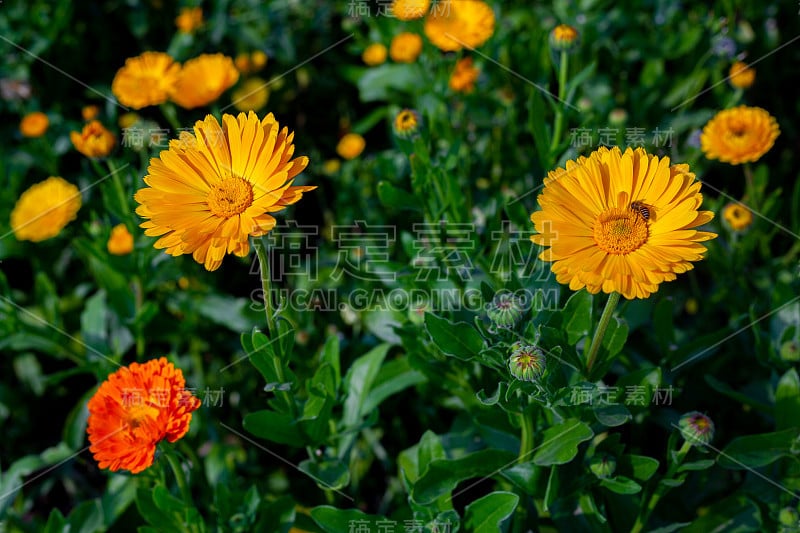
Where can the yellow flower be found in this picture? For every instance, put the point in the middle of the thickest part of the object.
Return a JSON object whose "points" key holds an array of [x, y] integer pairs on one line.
{"points": [[350, 146], [249, 63], [34, 124], [563, 37], [121, 241], [620, 222], [374, 54], [406, 123], [90, 112], [258, 60], [203, 79], [455, 24], [251, 96], [145, 80], [189, 19], [331, 166], [43, 210], [741, 75], [126, 120], [410, 9], [737, 216], [94, 140], [739, 135], [464, 76], [405, 47], [212, 190]]}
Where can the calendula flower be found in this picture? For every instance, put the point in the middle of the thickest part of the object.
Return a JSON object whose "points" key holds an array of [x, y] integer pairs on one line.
{"points": [[739, 135], [34, 124], [620, 222], [94, 140], [350, 146], [189, 19], [464, 76], [137, 407], [374, 54], [203, 79], [459, 23], [121, 241], [90, 112], [410, 9], [252, 62], [212, 190], [563, 37], [527, 363], [44, 209], [405, 47], [737, 216], [741, 75], [406, 123], [252, 95], [696, 428], [146, 80], [505, 310]]}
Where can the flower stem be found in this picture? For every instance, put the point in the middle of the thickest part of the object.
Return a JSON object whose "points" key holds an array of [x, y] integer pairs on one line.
{"points": [[563, 68], [180, 479], [526, 437], [661, 489], [266, 284], [597, 340], [172, 117]]}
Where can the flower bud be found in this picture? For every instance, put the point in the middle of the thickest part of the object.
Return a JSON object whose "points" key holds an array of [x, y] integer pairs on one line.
{"points": [[564, 38], [603, 466], [696, 428], [527, 363], [505, 310], [406, 123]]}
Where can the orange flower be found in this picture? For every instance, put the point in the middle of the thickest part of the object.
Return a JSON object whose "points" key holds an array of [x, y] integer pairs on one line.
{"points": [[145, 80], [121, 241], [742, 75], [189, 19], [90, 112], [203, 79], [405, 47], [34, 124], [456, 24], [374, 54], [410, 9], [136, 408], [94, 140], [464, 76]]}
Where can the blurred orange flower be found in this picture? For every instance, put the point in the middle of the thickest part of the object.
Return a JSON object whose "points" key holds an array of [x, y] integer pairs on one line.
{"points": [[44, 209], [455, 24], [464, 76], [405, 47], [739, 135], [94, 140], [203, 79], [34, 124], [410, 9], [374, 54], [189, 19], [121, 241], [350, 146], [145, 80]]}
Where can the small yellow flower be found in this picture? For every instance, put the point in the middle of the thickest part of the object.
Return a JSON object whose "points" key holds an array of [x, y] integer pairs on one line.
{"points": [[410, 9], [43, 210], [464, 76], [203, 79], [94, 140], [350, 146], [145, 80], [374, 54], [737, 216], [258, 60], [454, 24], [34, 124], [406, 123], [252, 95], [189, 19], [121, 241], [331, 166], [126, 120], [249, 63], [405, 47], [742, 75], [739, 135], [563, 37], [90, 112]]}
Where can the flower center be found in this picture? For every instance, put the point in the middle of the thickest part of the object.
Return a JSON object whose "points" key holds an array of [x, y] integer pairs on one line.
{"points": [[230, 197], [136, 414], [620, 231]]}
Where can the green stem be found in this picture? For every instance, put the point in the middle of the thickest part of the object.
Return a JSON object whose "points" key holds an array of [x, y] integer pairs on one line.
{"points": [[597, 340], [660, 491], [180, 479], [563, 68], [119, 188], [266, 285], [172, 117], [526, 437]]}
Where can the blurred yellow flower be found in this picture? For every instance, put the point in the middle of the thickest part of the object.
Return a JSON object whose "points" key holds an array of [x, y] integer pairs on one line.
{"points": [[145, 80], [464, 76], [455, 24], [737, 216], [94, 140], [563, 37], [126, 120], [350, 146], [121, 241], [252, 95], [406, 123], [405, 47], [598, 238], [44, 209], [258, 60], [741, 75], [739, 135], [90, 112], [203, 79], [331, 166], [410, 9], [210, 192], [252, 62], [189, 19], [34, 124], [374, 54]]}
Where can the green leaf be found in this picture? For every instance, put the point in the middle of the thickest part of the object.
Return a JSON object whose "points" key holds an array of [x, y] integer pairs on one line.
{"points": [[154, 516], [56, 523], [459, 339], [612, 415], [577, 316], [276, 427], [330, 355], [524, 475], [621, 485], [278, 515], [358, 383], [639, 467], [787, 401], [559, 443], [486, 514], [87, 517], [696, 465], [379, 83], [391, 196], [729, 391], [333, 520], [735, 514], [443, 475], [663, 325], [753, 451], [329, 475], [393, 377]]}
